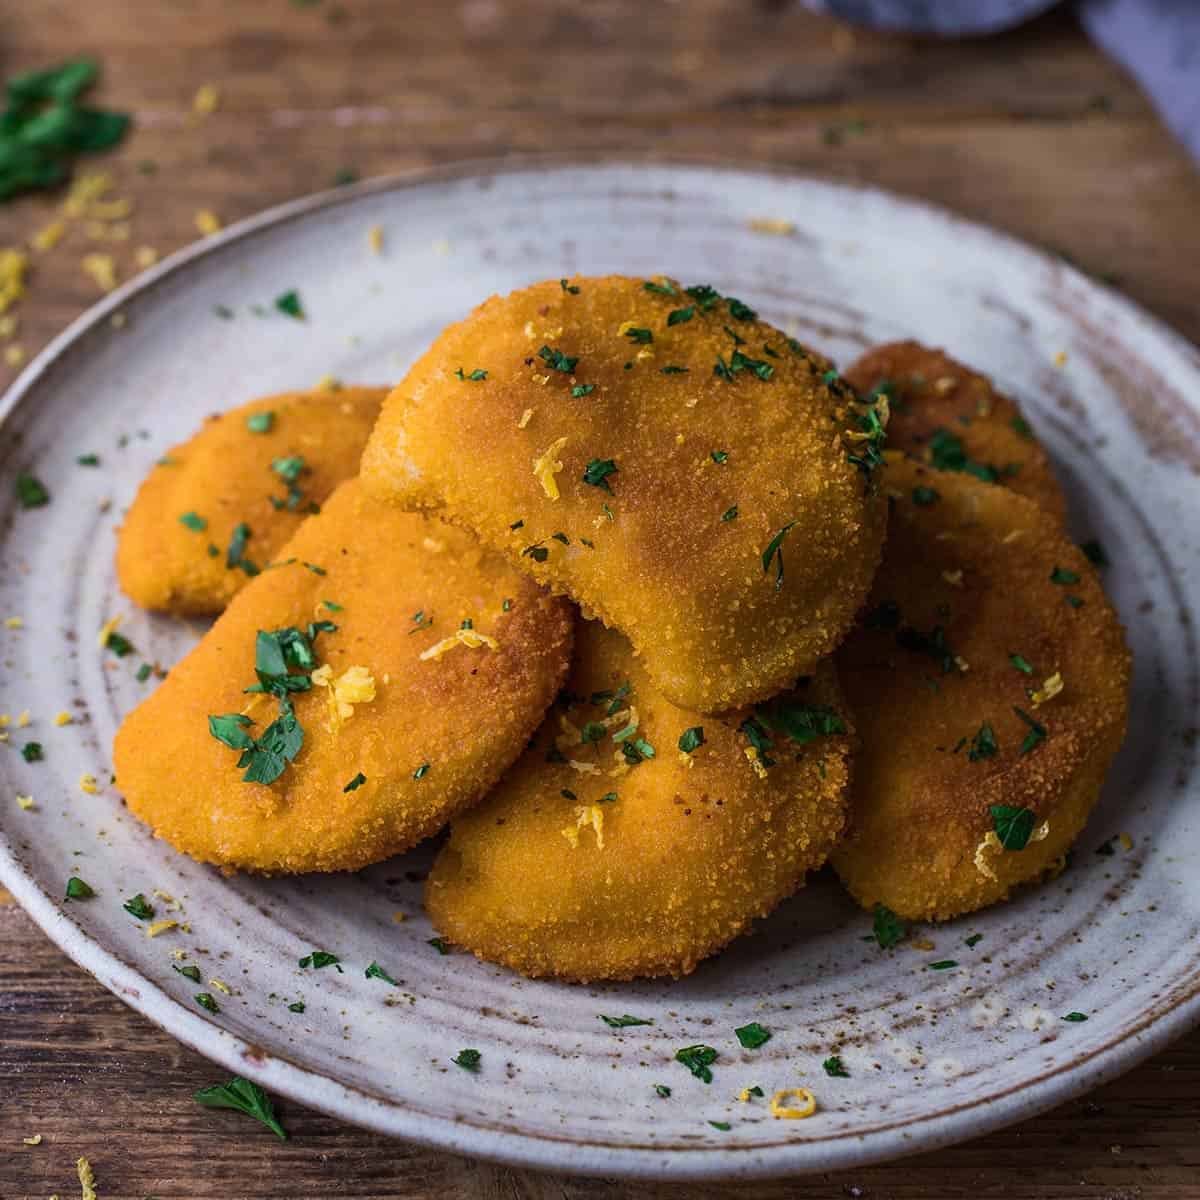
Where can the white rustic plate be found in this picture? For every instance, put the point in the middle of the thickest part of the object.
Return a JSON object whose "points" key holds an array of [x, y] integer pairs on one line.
{"points": [[933, 1056]]}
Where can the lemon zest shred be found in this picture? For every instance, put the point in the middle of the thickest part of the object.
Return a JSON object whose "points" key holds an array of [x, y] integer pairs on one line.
{"points": [[14, 266], [87, 783], [785, 1111], [526, 417], [1049, 689], [375, 239], [160, 927], [207, 222], [63, 718], [587, 816], [23, 718], [1126, 841], [35, 1140], [206, 100], [752, 757], [14, 623], [547, 466], [354, 686], [471, 638], [87, 1179], [101, 269], [48, 236], [221, 986], [25, 802]]}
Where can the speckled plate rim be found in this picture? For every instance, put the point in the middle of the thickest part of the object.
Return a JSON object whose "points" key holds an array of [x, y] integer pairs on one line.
{"points": [[1175, 1015]]}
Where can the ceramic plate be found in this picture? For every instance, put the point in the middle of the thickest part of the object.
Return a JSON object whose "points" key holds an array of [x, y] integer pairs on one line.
{"points": [[932, 1056]]}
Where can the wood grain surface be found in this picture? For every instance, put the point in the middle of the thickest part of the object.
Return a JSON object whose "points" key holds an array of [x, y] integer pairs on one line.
{"points": [[1033, 131]]}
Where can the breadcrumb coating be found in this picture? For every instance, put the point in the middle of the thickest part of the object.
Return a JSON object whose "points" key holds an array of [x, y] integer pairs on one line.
{"points": [[643, 462], [584, 867], [393, 583], [221, 478], [931, 392], [981, 602]]}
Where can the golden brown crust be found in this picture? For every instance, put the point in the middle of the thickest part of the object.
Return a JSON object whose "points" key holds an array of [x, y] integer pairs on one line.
{"points": [[932, 391], [691, 856], [468, 713], [976, 564], [685, 585], [223, 475]]}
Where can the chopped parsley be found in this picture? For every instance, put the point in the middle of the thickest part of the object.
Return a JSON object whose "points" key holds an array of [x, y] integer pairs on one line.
{"points": [[355, 783], [755, 1091], [973, 940], [698, 1059], [296, 1007], [31, 492], [983, 744], [659, 289], [579, 390], [944, 964], [144, 672], [88, 460], [869, 442], [31, 752], [1075, 1016], [193, 521], [556, 360], [932, 644], [289, 304], [439, 944], [801, 723], [1064, 576], [753, 1035], [671, 369], [691, 739], [623, 1022], [1014, 826], [537, 552], [118, 644], [640, 337], [1036, 734], [678, 316], [570, 288], [375, 971], [723, 1126], [1021, 427], [244, 1097], [188, 972], [139, 907], [205, 1000], [720, 457], [597, 472], [923, 497], [421, 771], [344, 176], [887, 928], [704, 295], [467, 1059], [947, 453], [1021, 663], [235, 556], [260, 422], [834, 1068], [78, 889], [320, 958], [774, 551], [476, 376], [661, 1089], [730, 514]]}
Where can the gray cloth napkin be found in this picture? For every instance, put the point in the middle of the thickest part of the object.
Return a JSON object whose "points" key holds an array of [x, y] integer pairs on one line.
{"points": [[1158, 41]]}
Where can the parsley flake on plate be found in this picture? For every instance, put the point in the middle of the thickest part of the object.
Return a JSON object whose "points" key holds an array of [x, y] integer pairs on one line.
{"points": [[289, 304], [139, 907], [753, 1035], [93, 460], [887, 928], [77, 889], [206, 1001], [661, 1089], [834, 1068], [244, 1097], [375, 971], [31, 752], [698, 1059], [321, 958], [623, 1022], [944, 964], [1075, 1016], [31, 492], [723, 1126], [188, 972], [468, 1059]]}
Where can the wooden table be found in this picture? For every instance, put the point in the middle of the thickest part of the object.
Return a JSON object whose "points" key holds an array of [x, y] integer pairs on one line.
{"points": [[1033, 132]]}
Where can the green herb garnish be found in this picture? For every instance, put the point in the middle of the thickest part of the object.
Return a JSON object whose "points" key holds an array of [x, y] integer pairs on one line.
{"points": [[31, 752], [88, 460], [421, 771], [698, 1059], [1036, 734], [753, 1035], [139, 907], [188, 972], [260, 422], [579, 390], [1021, 663], [623, 1022], [1094, 553], [774, 550], [355, 783], [1063, 575], [983, 744], [289, 304], [439, 944], [321, 958], [193, 521], [730, 514], [244, 1097], [720, 457], [556, 360], [1013, 826], [570, 288], [77, 889], [887, 928], [678, 316], [31, 492], [834, 1068], [476, 376], [659, 289], [691, 739], [467, 1059], [640, 337], [375, 971], [205, 1000], [1075, 1016], [661, 1089], [597, 472], [944, 964]]}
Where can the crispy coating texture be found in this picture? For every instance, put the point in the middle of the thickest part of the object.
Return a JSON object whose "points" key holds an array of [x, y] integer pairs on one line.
{"points": [[468, 714], [976, 564], [669, 547], [550, 878], [223, 475], [930, 391]]}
